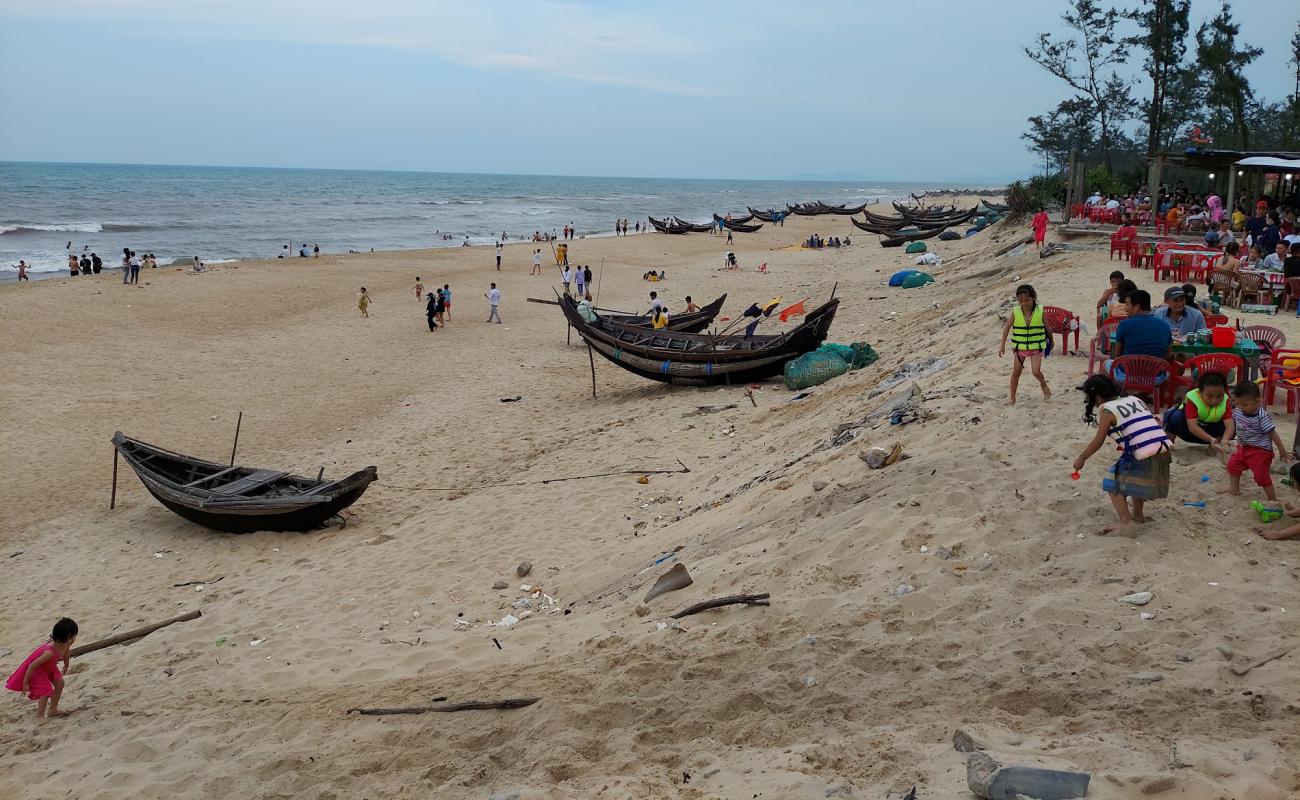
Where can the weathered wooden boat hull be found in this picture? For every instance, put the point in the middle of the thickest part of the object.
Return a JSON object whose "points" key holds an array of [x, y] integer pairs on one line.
{"points": [[700, 359], [693, 322], [300, 504]]}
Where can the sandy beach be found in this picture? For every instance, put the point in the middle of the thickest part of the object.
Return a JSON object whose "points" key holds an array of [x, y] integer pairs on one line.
{"points": [[844, 686]]}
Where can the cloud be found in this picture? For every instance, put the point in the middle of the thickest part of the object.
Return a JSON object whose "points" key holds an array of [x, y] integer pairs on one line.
{"points": [[604, 43]]}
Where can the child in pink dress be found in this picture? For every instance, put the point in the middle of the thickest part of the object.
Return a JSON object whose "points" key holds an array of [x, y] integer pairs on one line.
{"points": [[39, 677]]}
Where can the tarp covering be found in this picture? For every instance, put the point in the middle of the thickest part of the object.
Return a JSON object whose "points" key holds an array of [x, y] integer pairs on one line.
{"points": [[1270, 161]]}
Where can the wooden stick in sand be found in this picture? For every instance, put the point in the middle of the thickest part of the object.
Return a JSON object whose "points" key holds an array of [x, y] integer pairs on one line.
{"points": [[235, 446], [729, 600], [112, 498], [591, 358], [131, 636], [476, 705]]}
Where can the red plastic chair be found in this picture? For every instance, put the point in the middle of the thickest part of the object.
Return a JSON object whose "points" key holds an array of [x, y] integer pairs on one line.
{"points": [[1226, 364], [1275, 378], [1141, 374], [1120, 241], [1058, 320], [1198, 268], [1266, 336], [1291, 296], [1215, 320], [1099, 347]]}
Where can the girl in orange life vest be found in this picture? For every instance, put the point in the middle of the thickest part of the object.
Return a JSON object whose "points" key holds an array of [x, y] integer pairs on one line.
{"points": [[1028, 339], [1142, 471]]}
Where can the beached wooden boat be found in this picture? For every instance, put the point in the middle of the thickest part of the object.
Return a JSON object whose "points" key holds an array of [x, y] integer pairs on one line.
{"points": [[735, 219], [900, 239], [692, 322], [239, 499], [667, 226], [740, 228], [695, 227], [770, 215], [701, 359]]}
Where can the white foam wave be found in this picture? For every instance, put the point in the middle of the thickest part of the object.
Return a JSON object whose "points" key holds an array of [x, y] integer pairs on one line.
{"points": [[69, 227]]}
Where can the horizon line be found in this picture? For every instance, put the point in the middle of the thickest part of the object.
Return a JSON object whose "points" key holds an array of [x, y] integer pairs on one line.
{"points": [[954, 184]]}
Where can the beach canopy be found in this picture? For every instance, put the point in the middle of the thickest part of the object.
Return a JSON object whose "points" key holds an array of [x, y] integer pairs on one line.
{"points": [[1271, 161]]}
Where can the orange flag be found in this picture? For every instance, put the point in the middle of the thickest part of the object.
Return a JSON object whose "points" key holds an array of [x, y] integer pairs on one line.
{"points": [[795, 310]]}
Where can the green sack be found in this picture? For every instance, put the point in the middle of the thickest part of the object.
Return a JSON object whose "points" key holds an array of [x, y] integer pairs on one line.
{"points": [[919, 279], [844, 351], [863, 354], [812, 369], [914, 247]]}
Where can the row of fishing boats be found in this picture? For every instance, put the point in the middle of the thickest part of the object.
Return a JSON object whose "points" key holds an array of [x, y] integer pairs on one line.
{"points": [[241, 499], [915, 224]]}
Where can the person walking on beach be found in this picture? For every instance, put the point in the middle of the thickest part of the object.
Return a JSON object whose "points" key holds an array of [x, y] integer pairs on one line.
{"points": [[498, 256], [1040, 228], [537, 262], [1029, 339], [586, 277], [566, 276], [96, 263], [439, 305], [580, 278], [419, 288], [728, 235], [446, 301], [494, 299], [363, 303], [22, 271], [430, 310]]}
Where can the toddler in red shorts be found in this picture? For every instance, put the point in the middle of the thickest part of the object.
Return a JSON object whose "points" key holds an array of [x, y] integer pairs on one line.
{"points": [[1256, 439]]}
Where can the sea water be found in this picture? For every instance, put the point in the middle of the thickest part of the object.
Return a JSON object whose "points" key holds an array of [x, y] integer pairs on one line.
{"points": [[232, 213]]}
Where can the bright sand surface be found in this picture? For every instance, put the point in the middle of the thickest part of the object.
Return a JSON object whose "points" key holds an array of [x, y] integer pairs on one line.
{"points": [[1017, 638]]}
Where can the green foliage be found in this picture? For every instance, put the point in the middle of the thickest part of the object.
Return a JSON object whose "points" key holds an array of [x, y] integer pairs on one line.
{"points": [[1228, 88], [1040, 191], [1100, 179]]}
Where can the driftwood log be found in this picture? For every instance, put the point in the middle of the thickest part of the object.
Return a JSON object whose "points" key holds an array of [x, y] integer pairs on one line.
{"points": [[729, 600], [476, 705], [1261, 661], [131, 636]]}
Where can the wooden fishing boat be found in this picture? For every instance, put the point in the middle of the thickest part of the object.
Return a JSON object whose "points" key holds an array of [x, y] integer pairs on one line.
{"points": [[739, 228], [667, 226], [995, 207], [700, 359], [692, 322], [736, 219], [899, 240], [770, 215], [239, 499], [694, 227]]}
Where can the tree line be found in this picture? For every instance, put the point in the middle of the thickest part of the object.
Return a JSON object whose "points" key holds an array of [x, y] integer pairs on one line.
{"points": [[1189, 80]]}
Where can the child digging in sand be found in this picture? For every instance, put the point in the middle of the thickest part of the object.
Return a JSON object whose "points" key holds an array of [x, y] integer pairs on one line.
{"points": [[1292, 511], [1256, 438], [39, 678], [1028, 339], [1142, 471]]}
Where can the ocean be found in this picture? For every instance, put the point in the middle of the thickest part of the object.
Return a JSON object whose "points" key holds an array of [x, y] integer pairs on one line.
{"points": [[232, 213]]}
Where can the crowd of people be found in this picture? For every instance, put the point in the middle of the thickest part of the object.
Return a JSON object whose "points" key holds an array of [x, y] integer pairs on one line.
{"points": [[1263, 221], [816, 242], [1209, 414]]}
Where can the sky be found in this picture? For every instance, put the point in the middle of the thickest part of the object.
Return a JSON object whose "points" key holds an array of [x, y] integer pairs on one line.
{"points": [[923, 91]]}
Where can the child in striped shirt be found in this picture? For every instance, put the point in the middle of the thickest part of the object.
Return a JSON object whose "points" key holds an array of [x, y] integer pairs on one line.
{"points": [[1256, 439]]}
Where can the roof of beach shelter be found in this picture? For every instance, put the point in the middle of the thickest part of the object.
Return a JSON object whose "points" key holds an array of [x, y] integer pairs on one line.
{"points": [[1222, 159], [1271, 162]]}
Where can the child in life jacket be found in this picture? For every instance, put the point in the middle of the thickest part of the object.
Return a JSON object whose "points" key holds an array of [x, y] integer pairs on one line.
{"points": [[1029, 335], [1205, 417], [1142, 471]]}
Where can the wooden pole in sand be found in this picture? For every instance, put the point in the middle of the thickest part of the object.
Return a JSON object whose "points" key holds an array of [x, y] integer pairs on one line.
{"points": [[591, 358], [235, 447], [131, 636], [112, 498]]}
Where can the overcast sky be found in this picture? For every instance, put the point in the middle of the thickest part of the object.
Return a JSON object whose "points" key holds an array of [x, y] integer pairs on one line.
{"points": [[935, 90]]}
